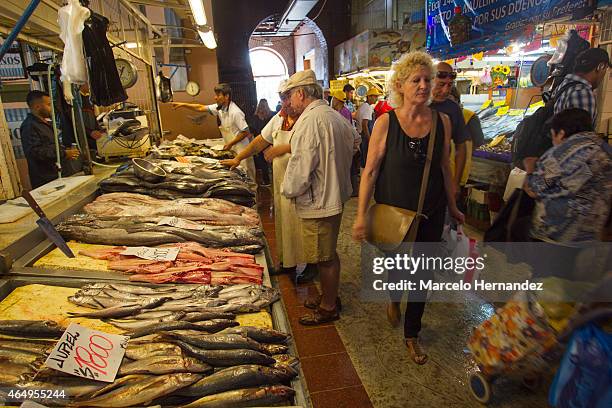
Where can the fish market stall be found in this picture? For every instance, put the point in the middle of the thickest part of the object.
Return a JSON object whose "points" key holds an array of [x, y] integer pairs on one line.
{"points": [[218, 254]]}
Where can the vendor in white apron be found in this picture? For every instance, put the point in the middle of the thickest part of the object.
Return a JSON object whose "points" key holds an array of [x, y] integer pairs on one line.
{"points": [[287, 224], [232, 124]]}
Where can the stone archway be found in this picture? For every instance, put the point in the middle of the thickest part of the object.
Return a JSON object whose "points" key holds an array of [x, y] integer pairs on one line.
{"points": [[309, 38]]}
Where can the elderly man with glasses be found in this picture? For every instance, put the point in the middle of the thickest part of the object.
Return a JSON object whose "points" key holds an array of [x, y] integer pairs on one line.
{"points": [[441, 91]]}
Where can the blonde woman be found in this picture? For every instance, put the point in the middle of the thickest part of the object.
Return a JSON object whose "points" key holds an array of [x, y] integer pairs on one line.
{"points": [[393, 174]]}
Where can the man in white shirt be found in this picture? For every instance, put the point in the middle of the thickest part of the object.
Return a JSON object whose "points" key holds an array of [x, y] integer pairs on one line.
{"points": [[318, 179], [233, 126], [365, 114]]}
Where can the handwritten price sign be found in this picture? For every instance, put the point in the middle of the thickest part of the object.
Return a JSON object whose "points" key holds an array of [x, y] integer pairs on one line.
{"points": [[88, 353], [153, 254], [180, 223]]}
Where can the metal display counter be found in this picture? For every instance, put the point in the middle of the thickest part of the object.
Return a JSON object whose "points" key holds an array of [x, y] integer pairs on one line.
{"points": [[23, 244]]}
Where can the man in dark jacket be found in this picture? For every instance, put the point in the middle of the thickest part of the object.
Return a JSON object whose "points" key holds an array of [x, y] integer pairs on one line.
{"points": [[39, 143]]}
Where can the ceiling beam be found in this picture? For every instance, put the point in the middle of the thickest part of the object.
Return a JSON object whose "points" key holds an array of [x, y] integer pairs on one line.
{"points": [[164, 4]]}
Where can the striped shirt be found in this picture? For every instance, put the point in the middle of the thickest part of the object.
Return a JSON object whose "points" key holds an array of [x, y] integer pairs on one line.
{"points": [[579, 95]]}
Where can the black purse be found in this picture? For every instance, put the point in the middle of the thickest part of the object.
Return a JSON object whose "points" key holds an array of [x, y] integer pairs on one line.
{"points": [[513, 222]]}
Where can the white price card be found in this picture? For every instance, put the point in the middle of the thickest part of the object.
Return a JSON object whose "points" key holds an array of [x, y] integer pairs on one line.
{"points": [[180, 223], [153, 254], [88, 353]]}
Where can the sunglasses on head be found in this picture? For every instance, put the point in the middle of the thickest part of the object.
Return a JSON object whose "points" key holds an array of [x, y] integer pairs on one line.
{"points": [[443, 75]]}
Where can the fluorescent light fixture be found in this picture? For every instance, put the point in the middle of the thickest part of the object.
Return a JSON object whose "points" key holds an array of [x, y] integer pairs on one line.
{"points": [[131, 45], [208, 38], [508, 59], [197, 9]]}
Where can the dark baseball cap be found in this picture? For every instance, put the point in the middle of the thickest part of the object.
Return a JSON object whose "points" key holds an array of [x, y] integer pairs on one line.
{"points": [[590, 59]]}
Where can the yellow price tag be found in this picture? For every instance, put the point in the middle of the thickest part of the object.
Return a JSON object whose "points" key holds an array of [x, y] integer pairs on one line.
{"points": [[486, 104], [497, 104], [503, 111], [536, 105], [516, 112], [497, 140]]}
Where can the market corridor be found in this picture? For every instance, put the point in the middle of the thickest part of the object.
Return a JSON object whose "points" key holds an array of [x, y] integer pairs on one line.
{"points": [[360, 361]]}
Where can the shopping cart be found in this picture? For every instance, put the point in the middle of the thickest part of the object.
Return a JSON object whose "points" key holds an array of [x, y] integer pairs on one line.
{"points": [[523, 339], [516, 342]]}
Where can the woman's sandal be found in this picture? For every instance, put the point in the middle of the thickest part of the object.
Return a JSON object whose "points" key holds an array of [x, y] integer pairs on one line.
{"points": [[314, 302], [416, 352], [320, 316]]}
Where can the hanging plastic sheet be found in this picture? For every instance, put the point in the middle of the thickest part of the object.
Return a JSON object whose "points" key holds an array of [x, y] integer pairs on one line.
{"points": [[495, 23]]}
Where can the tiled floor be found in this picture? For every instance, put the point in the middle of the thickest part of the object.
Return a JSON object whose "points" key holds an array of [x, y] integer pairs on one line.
{"points": [[331, 379]]}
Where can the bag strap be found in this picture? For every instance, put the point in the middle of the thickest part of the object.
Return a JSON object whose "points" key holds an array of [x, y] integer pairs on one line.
{"points": [[562, 90], [425, 180]]}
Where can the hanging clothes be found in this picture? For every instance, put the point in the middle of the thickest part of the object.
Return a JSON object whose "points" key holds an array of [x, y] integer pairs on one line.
{"points": [[71, 19], [104, 82]]}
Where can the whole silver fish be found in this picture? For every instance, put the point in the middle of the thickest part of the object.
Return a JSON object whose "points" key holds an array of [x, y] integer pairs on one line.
{"points": [[165, 365], [217, 341], [31, 328], [237, 377], [247, 397], [121, 311], [199, 316], [20, 356], [139, 351], [259, 334], [141, 290], [139, 324], [226, 358], [74, 387], [210, 326], [139, 390], [40, 346]]}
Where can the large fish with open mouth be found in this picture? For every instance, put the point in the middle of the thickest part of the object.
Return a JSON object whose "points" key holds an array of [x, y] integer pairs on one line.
{"points": [[165, 365], [247, 397], [226, 358], [237, 377], [137, 390], [31, 328]]}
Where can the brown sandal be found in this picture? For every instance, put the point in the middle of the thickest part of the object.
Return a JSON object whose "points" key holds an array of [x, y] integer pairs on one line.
{"points": [[314, 302], [416, 352], [320, 316]]}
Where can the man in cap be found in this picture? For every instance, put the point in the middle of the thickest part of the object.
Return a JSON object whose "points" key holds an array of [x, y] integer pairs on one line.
{"points": [[577, 89], [232, 124], [589, 71], [365, 114], [337, 103], [441, 91], [274, 141], [318, 180]]}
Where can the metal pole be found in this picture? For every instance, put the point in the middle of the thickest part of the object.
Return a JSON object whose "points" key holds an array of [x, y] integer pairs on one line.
{"points": [[18, 26], [55, 132]]}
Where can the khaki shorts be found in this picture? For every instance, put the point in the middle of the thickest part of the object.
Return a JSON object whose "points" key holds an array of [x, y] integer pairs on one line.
{"points": [[320, 236]]}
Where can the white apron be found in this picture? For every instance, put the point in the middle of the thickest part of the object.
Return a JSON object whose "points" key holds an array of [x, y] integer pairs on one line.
{"points": [[247, 165], [288, 226]]}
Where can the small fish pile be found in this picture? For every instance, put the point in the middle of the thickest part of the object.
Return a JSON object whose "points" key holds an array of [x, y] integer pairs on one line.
{"points": [[184, 146], [182, 307], [186, 180], [194, 264], [144, 231], [237, 367], [211, 211]]}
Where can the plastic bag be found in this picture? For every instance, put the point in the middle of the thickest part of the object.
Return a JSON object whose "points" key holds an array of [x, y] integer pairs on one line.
{"points": [[516, 179], [585, 374]]}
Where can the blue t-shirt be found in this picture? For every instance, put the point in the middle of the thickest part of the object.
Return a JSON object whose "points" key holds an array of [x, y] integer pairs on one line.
{"points": [[452, 109]]}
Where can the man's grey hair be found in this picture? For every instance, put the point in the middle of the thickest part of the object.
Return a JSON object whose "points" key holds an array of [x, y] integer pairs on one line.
{"points": [[314, 91]]}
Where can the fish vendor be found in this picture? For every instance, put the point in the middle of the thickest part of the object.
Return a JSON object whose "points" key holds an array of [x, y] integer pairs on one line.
{"points": [[38, 141], [275, 141], [232, 123]]}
